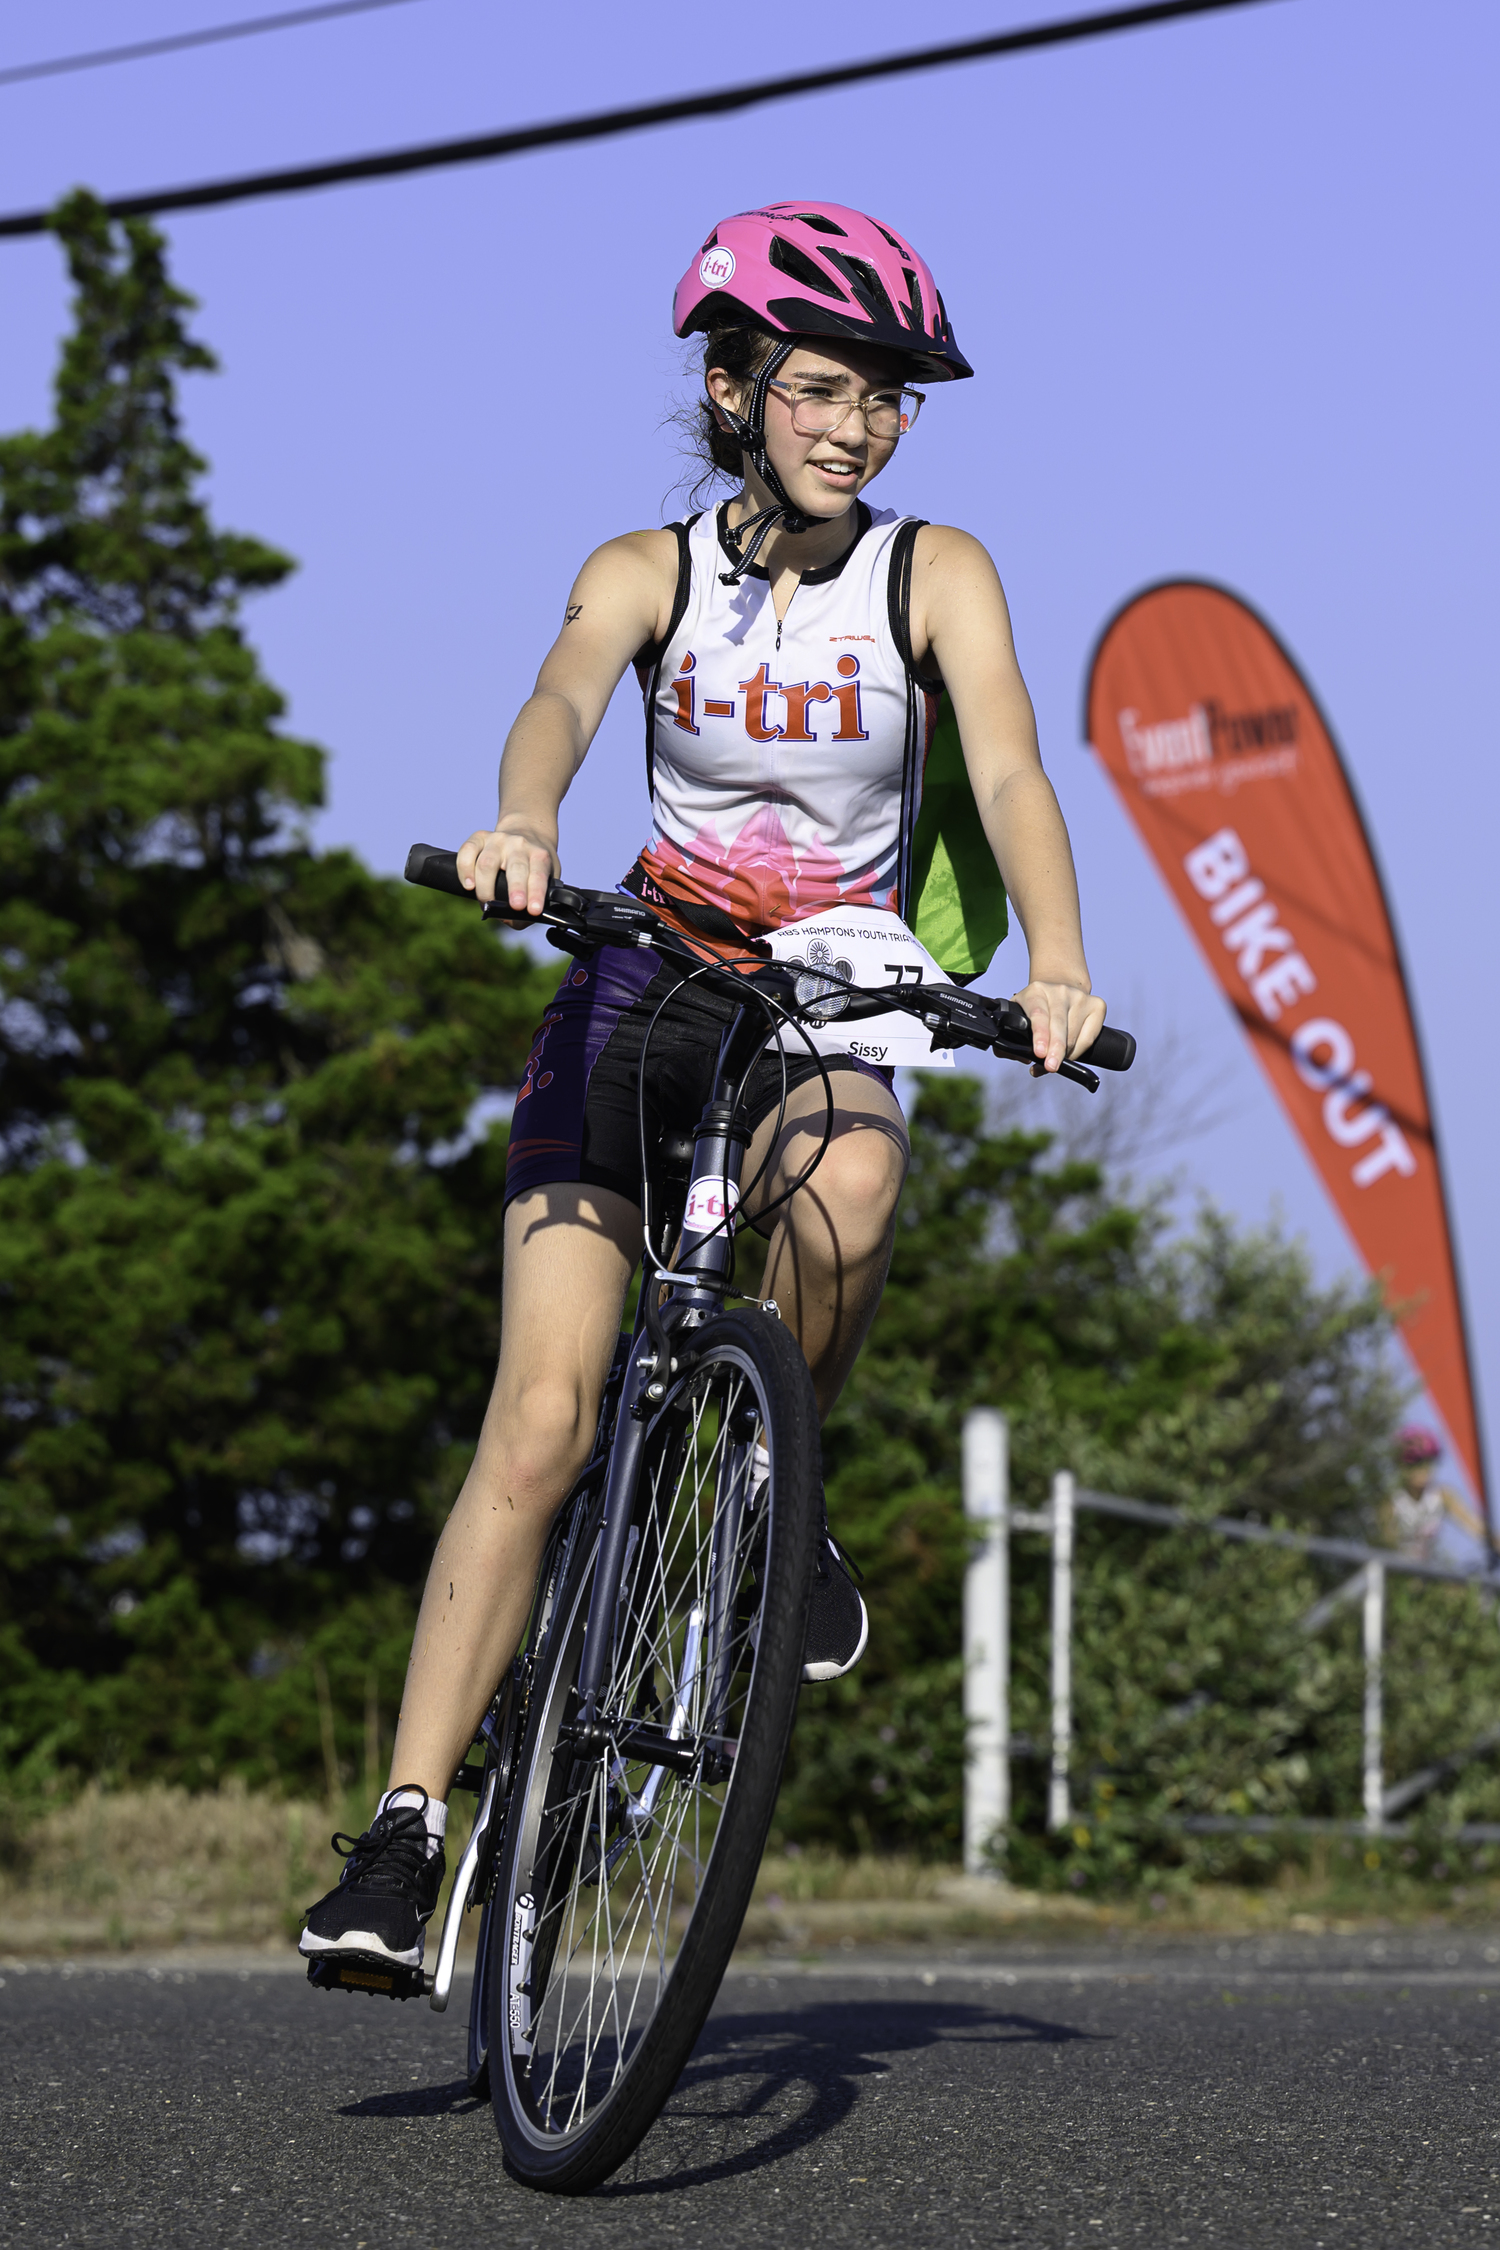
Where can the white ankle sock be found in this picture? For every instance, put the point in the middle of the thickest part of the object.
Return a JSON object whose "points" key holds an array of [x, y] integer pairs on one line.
{"points": [[762, 1461], [435, 1814]]}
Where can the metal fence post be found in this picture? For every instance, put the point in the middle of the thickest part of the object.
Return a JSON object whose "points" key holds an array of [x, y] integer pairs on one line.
{"points": [[986, 1638], [1374, 1664], [1059, 1805]]}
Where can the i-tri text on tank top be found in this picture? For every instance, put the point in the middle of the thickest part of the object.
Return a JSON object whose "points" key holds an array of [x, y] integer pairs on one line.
{"points": [[779, 749]]}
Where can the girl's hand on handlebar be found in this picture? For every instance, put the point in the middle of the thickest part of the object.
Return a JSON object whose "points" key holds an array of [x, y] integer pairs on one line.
{"points": [[1066, 1019], [512, 864]]}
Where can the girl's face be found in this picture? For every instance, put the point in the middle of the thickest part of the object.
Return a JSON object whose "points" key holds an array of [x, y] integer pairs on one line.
{"points": [[824, 457]]}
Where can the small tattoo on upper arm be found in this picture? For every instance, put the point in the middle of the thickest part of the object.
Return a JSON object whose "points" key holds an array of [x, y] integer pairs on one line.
{"points": [[575, 611]]}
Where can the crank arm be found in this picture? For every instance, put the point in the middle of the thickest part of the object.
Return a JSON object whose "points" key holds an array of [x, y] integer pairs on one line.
{"points": [[458, 1898]]}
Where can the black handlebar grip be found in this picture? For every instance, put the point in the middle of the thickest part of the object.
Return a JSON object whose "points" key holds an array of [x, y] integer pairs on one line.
{"points": [[1112, 1050], [437, 869]]}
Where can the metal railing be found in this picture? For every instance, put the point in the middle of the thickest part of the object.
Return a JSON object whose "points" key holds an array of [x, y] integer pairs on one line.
{"points": [[987, 1794]]}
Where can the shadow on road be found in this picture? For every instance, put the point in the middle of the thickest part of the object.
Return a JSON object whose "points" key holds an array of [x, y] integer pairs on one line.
{"points": [[450, 2100], [746, 2067]]}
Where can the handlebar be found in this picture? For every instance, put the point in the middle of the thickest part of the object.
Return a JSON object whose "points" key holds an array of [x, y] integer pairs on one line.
{"points": [[580, 920], [438, 870]]}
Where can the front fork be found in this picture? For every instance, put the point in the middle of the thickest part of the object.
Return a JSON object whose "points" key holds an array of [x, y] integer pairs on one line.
{"points": [[696, 1291]]}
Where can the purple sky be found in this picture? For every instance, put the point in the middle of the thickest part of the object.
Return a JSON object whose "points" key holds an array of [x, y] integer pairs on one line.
{"points": [[1224, 284]]}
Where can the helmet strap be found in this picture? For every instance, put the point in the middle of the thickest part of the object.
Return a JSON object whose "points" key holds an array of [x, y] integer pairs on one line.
{"points": [[750, 429], [760, 527]]}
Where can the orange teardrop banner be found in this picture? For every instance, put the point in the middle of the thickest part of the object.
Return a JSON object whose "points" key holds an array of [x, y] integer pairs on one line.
{"points": [[1227, 767]]}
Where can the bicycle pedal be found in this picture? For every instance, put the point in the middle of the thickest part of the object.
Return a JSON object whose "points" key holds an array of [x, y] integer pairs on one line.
{"points": [[367, 1972]]}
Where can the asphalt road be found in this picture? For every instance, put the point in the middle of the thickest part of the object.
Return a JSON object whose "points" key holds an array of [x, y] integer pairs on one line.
{"points": [[1277, 2093]]}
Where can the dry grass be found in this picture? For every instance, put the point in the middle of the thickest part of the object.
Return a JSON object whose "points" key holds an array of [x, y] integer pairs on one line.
{"points": [[811, 1899], [816, 1898], [799, 1878], [159, 1867]]}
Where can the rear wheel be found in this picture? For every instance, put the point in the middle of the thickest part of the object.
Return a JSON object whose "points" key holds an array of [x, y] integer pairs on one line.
{"points": [[626, 1870]]}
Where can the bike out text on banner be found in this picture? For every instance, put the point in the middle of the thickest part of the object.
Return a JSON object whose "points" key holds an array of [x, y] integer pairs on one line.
{"points": [[1228, 770]]}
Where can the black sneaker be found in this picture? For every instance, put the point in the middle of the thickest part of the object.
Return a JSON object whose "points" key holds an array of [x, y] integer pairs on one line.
{"points": [[386, 1894], [838, 1624]]}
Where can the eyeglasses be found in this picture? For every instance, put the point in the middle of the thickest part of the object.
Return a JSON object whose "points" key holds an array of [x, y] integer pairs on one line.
{"points": [[819, 408]]}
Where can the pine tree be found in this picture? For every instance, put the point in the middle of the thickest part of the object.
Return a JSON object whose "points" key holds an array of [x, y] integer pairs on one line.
{"points": [[248, 1247]]}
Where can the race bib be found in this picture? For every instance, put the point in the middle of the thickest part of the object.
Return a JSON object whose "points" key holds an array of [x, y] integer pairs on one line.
{"points": [[861, 945]]}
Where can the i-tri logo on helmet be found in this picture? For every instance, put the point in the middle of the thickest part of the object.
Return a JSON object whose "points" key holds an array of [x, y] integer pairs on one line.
{"points": [[716, 268]]}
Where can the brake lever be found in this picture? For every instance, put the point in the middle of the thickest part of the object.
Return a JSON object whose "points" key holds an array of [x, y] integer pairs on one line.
{"points": [[974, 1022], [1080, 1074]]}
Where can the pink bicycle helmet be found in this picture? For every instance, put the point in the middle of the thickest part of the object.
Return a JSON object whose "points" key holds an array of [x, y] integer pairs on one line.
{"points": [[819, 269], [1416, 1446]]}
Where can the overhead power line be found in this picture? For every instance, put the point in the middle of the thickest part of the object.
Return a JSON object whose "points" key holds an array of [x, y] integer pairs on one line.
{"points": [[288, 20], [604, 123]]}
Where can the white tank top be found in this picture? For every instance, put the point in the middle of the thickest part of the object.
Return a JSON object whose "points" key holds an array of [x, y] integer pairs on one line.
{"points": [[783, 780]]}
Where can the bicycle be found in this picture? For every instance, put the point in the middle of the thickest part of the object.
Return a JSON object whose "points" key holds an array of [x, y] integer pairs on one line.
{"points": [[632, 1757]]}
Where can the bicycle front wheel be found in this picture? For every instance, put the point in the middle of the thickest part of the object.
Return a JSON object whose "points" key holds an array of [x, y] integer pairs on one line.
{"points": [[628, 1866]]}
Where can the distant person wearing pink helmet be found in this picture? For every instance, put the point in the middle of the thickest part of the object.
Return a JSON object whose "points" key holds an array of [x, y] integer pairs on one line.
{"points": [[1419, 1506], [834, 717]]}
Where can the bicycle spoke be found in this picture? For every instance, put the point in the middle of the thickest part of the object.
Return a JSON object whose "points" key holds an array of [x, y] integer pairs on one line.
{"points": [[568, 1952]]}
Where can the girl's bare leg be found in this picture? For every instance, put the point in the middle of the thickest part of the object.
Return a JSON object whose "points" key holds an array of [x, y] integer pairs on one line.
{"points": [[831, 1245], [569, 1253]]}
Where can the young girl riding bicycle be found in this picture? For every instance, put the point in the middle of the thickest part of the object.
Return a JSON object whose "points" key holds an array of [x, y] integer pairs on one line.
{"points": [[800, 656]]}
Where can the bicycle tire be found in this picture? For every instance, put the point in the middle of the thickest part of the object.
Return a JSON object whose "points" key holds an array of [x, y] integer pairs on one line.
{"points": [[591, 2028]]}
